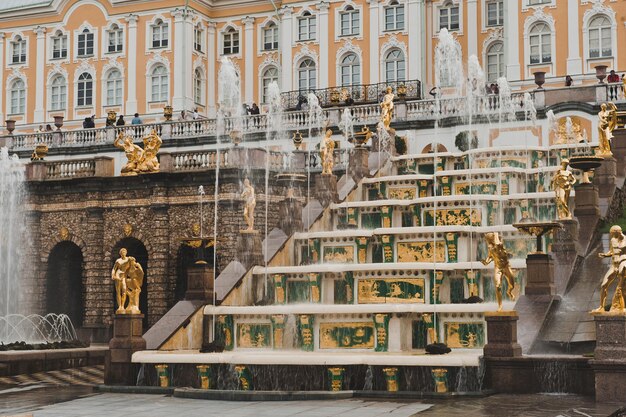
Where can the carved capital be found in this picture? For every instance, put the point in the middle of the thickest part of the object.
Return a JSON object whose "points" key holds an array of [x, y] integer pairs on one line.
{"points": [[322, 6], [179, 14], [286, 11], [248, 21], [132, 19], [40, 31]]}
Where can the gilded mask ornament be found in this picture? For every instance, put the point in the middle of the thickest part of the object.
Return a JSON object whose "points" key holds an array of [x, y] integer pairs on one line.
{"points": [[64, 233], [128, 230]]}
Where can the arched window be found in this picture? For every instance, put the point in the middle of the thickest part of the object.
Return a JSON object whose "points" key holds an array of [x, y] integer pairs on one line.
{"points": [[449, 17], [270, 74], [58, 93], [114, 88], [600, 42], [159, 83], [350, 68], [394, 16], [59, 45], [160, 35], [198, 86], [270, 37], [307, 75], [85, 90], [18, 97], [495, 61], [307, 27], [395, 66], [116, 39], [231, 41], [349, 19], [85, 43], [540, 44], [19, 50]]}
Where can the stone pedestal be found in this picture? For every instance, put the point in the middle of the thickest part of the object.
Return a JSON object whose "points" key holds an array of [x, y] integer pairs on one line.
{"points": [[587, 209], [200, 283], [249, 248], [539, 274], [326, 189], [290, 216], [609, 362], [605, 176], [36, 171], [358, 163], [246, 157], [618, 145], [565, 244], [502, 335], [127, 339]]}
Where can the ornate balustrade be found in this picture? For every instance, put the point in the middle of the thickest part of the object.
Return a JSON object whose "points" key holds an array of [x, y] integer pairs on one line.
{"points": [[70, 169]]}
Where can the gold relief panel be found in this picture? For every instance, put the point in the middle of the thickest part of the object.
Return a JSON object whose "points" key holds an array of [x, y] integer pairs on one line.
{"points": [[421, 251], [391, 290], [464, 335], [359, 335], [339, 254], [254, 335], [402, 193]]}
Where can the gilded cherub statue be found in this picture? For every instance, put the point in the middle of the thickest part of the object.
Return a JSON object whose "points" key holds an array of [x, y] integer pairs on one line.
{"points": [[151, 145], [386, 106], [140, 160], [617, 270], [607, 121], [327, 153], [249, 197], [562, 184], [127, 275], [500, 257]]}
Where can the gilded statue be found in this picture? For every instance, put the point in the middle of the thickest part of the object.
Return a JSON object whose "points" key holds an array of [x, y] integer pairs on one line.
{"points": [[607, 121], [500, 257], [562, 184], [386, 107], [127, 274], [327, 152], [617, 270], [139, 160], [249, 203]]}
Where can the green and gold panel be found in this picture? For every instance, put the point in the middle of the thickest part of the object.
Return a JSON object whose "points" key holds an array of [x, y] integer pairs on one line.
{"points": [[464, 335], [298, 291], [509, 161], [254, 335], [391, 290], [402, 193], [339, 254], [478, 187], [452, 217], [359, 335], [518, 247], [422, 251], [371, 220]]}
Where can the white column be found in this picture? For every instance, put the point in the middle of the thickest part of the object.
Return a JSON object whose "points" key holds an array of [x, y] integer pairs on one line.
{"points": [[183, 52], [40, 113], [211, 78], [374, 43], [286, 43], [322, 32], [511, 40], [131, 70], [2, 74], [248, 23], [416, 39], [472, 28], [574, 61]]}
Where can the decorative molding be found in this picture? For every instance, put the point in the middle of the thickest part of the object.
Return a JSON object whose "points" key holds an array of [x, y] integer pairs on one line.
{"points": [[269, 60], [155, 60], [393, 42], [346, 48], [16, 74], [84, 66], [322, 6], [113, 63], [495, 35], [538, 16], [305, 52], [286, 11], [57, 69], [198, 63], [132, 19], [40, 31], [248, 22], [597, 9]]}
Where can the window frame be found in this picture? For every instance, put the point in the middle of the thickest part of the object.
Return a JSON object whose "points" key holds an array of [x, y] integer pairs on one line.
{"points": [[391, 11], [310, 25], [162, 95], [308, 70], [62, 40], [449, 8], [88, 36], [387, 61], [61, 102], [118, 87], [115, 32], [266, 80], [162, 27], [198, 86], [275, 37], [198, 38], [18, 50], [600, 30], [500, 67], [541, 44], [499, 21], [20, 99], [85, 98], [351, 69], [232, 36], [353, 15]]}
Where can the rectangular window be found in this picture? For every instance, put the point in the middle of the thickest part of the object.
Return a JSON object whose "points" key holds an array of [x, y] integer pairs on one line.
{"points": [[349, 23], [160, 35], [59, 47], [19, 52], [85, 94], [231, 43], [307, 28], [85, 44], [116, 41], [197, 40], [495, 13], [394, 17], [58, 97], [270, 38]]}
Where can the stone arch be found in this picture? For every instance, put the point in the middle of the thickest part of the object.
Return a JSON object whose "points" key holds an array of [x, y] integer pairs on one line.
{"points": [[429, 148], [65, 289]]}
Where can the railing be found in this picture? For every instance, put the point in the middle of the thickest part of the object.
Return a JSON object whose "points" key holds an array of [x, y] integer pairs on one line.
{"points": [[56, 170], [615, 92], [354, 94], [199, 160], [450, 107]]}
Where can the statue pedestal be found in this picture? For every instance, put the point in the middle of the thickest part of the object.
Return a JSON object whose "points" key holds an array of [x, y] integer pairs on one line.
{"points": [[502, 335], [609, 362], [200, 283], [605, 176], [127, 339], [565, 248], [290, 216], [249, 248], [358, 163], [587, 209], [326, 189], [539, 274]]}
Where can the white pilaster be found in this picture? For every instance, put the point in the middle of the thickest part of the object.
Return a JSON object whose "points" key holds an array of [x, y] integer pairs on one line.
{"points": [[472, 28], [416, 39], [131, 71], [511, 40], [286, 43], [374, 43], [1, 73], [183, 52], [574, 61], [211, 78], [322, 32], [248, 44], [40, 113]]}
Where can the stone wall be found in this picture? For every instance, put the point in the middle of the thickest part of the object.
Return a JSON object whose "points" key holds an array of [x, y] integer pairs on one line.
{"points": [[158, 210]]}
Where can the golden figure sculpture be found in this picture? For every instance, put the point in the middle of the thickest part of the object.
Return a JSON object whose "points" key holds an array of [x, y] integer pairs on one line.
{"points": [[128, 275], [562, 184], [249, 204], [140, 160], [327, 152], [387, 108], [500, 257], [607, 121], [617, 270]]}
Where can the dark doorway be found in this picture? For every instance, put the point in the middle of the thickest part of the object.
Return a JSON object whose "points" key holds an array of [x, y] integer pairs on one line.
{"points": [[187, 256], [64, 282], [137, 250]]}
